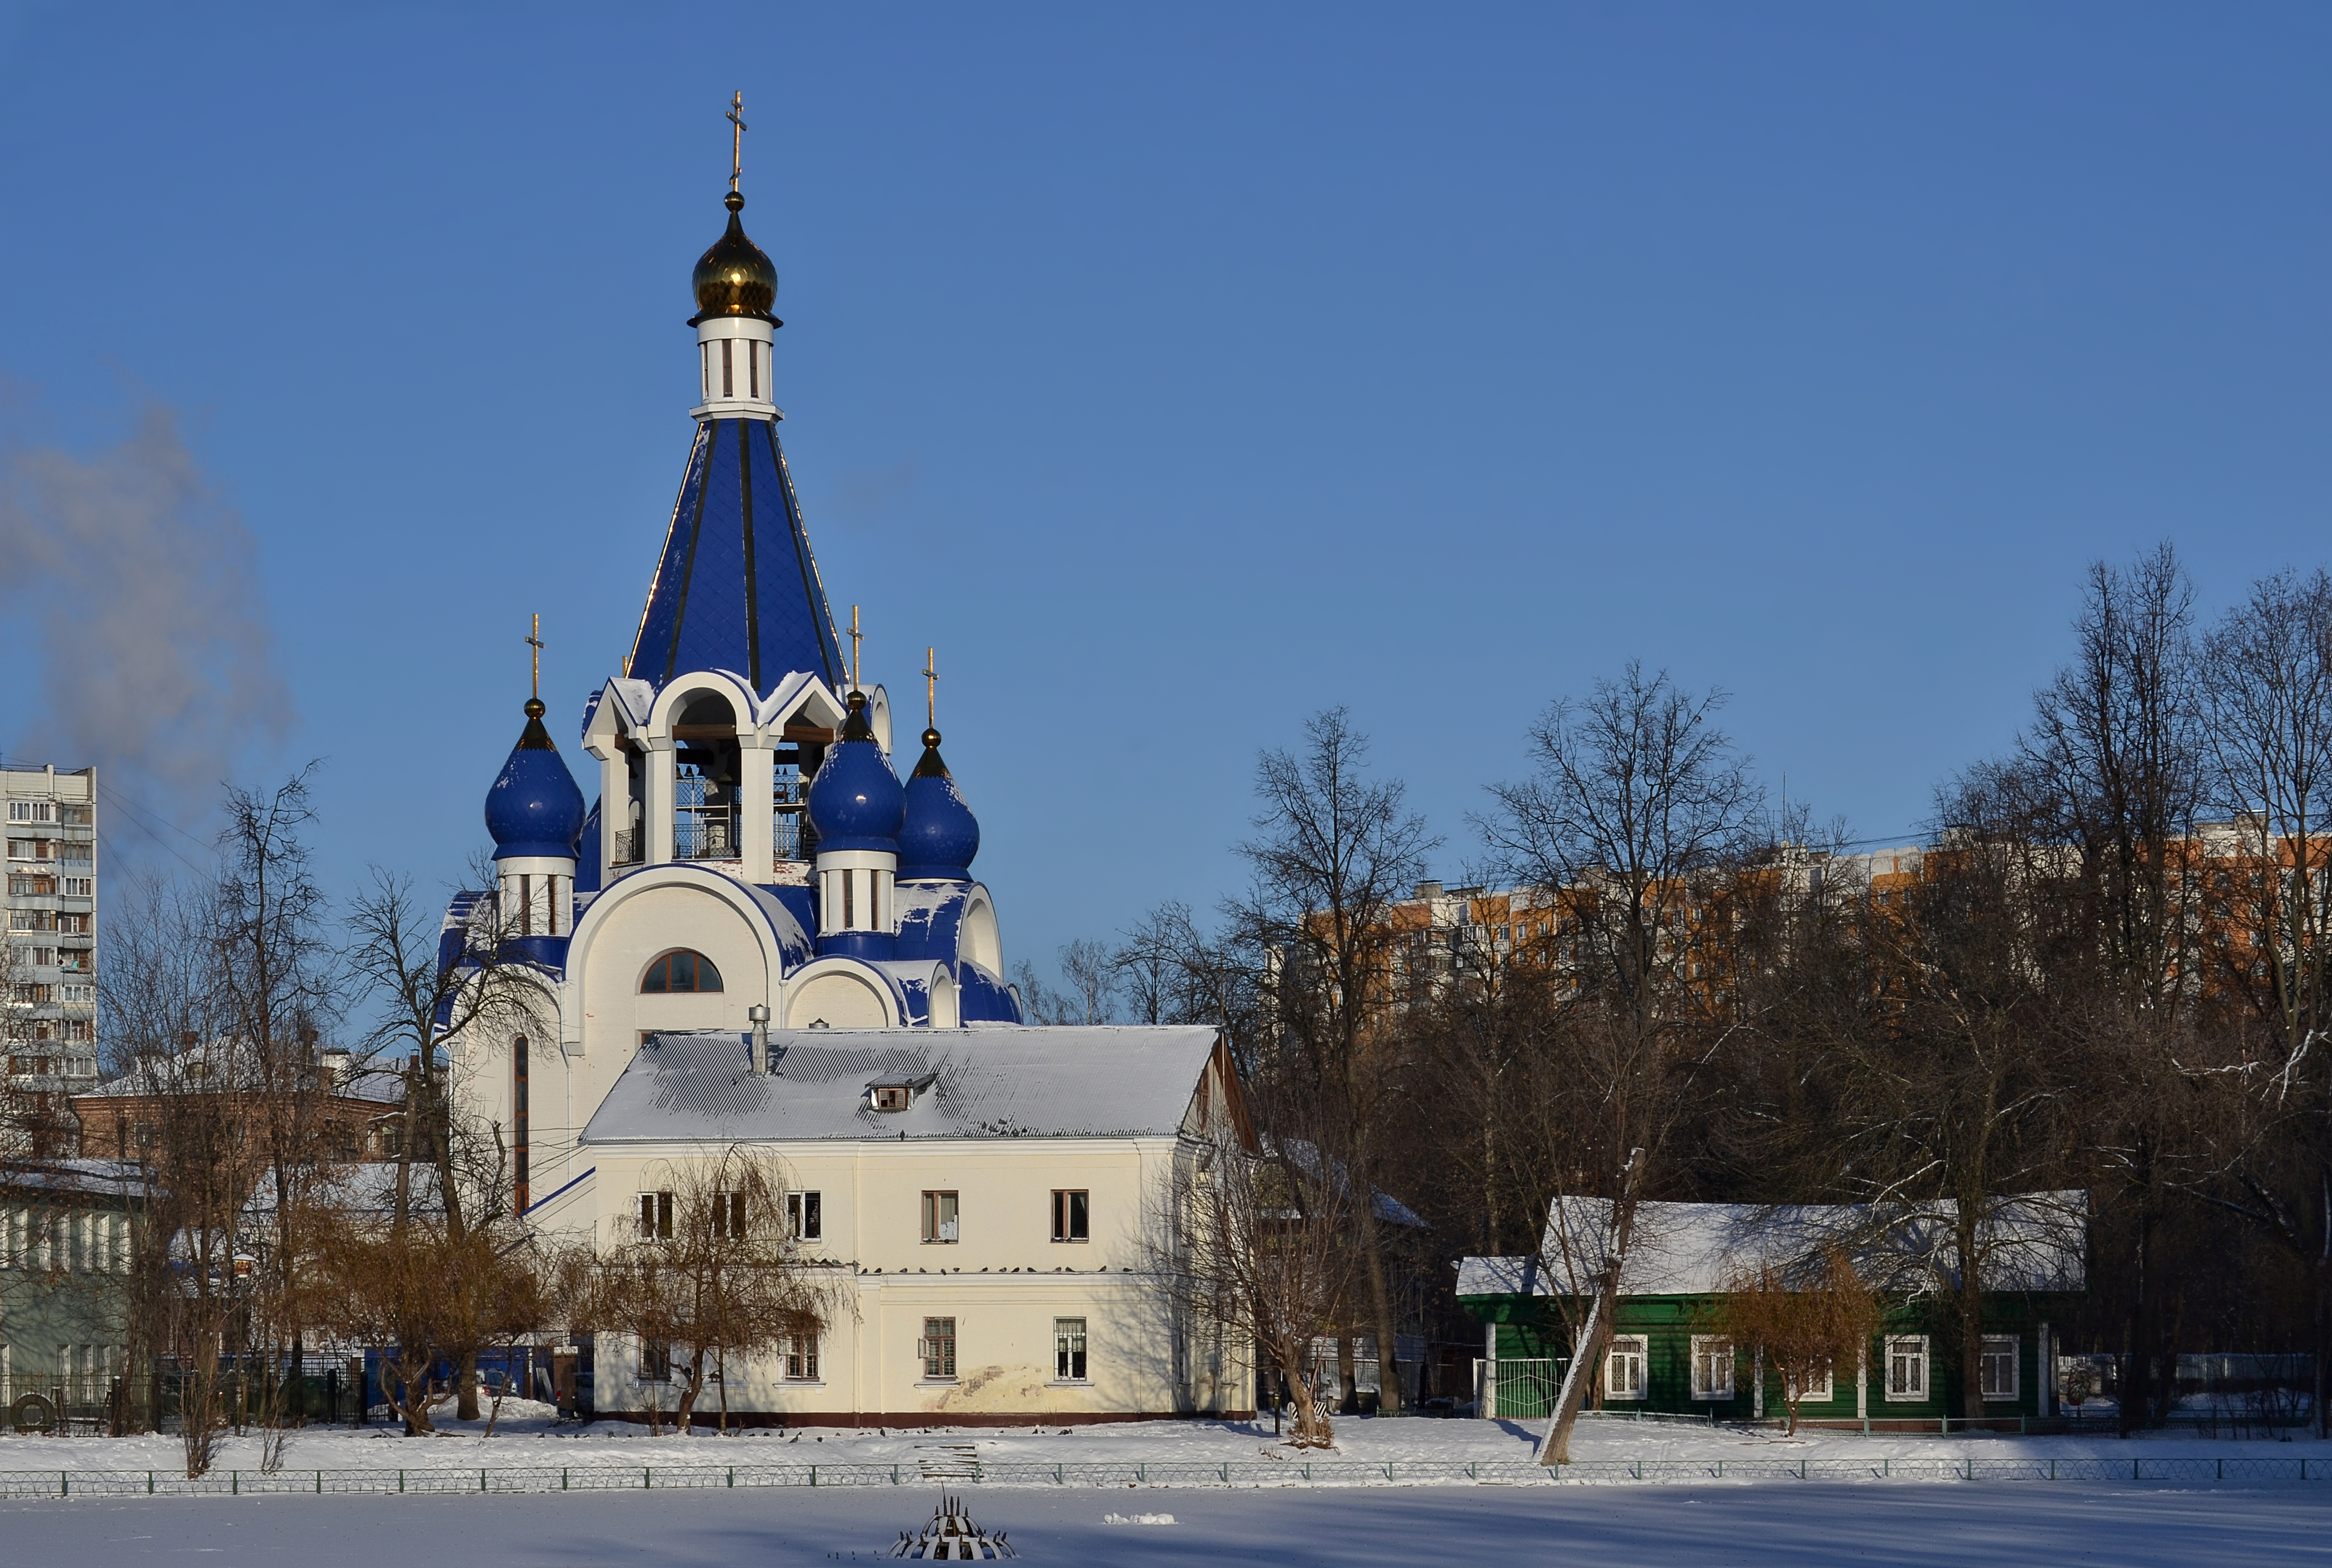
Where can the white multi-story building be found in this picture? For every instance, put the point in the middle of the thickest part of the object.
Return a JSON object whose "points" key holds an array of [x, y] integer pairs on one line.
{"points": [[50, 1014]]}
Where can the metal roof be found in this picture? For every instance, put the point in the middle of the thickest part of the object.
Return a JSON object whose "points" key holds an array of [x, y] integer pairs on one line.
{"points": [[1006, 1081]]}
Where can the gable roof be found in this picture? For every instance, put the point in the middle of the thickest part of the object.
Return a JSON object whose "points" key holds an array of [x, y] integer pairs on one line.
{"points": [[999, 1082]]}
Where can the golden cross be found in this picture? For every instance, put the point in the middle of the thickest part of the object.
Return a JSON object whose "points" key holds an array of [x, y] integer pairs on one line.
{"points": [[534, 641], [854, 636], [930, 690], [736, 140]]}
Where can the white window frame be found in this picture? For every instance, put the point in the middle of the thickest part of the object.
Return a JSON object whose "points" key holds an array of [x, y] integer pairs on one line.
{"points": [[805, 1217], [1072, 1350], [1636, 1349], [1914, 1348], [927, 1350], [1818, 1390], [2009, 1347], [1705, 1359]]}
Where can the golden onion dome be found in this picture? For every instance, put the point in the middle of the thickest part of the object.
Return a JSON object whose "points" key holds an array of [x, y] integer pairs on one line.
{"points": [[735, 277]]}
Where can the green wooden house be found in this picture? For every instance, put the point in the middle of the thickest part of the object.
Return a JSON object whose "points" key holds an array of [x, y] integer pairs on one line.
{"points": [[1667, 1352]]}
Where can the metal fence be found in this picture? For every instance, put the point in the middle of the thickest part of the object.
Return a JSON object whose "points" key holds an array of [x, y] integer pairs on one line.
{"points": [[21, 1484], [1522, 1388]]}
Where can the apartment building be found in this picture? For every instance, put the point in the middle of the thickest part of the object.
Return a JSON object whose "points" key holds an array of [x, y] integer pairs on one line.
{"points": [[49, 1015]]}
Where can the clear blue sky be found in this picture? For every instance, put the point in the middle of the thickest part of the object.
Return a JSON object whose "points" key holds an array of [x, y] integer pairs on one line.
{"points": [[1177, 371]]}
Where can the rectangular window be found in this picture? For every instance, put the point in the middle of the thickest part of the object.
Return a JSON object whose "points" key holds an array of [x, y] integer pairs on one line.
{"points": [[752, 368], [80, 887], [1069, 1350], [1906, 1366], [1818, 1388], [1998, 1369], [849, 914], [1623, 1368], [729, 1216], [1712, 1367], [940, 1217], [521, 1189], [1072, 1217], [655, 1217], [801, 1358], [937, 1347], [804, 1218], [728, 367], [656, 1362], [32, 811]]}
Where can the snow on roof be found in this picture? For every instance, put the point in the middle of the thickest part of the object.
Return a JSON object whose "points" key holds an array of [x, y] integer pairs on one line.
{"points": [[1009, 1082], [1500, 1277], [102, 1178], [2031, 1242]]}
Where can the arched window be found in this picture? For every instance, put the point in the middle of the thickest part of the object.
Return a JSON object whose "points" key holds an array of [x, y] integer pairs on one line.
{"points": [[679, 970]]}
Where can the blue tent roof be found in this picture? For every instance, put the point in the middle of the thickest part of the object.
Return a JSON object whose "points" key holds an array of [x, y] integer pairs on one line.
{"points": [[737, 588]]}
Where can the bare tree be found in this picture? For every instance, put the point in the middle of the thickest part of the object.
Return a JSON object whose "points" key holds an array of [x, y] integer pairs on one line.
{"points": [[277, 985], [1635, 799], [1255, 1241], [434, 981], [1335, 850], [1087, 966], [1803, 1317], [713, 1276], [2113, 765]]}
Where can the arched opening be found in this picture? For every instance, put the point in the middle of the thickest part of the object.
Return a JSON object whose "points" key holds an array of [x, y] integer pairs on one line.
{"points": [[706, 772], [838, 1000], [978, 941], [945, 1014], [679, 971]]}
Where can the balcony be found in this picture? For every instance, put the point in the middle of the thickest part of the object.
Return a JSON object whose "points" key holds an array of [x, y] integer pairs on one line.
{"points": [[704, 833], [628, 847]]}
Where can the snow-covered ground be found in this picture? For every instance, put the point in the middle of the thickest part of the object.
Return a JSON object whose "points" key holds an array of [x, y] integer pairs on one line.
{"points": [[529, 1436], [1815, 1526]]}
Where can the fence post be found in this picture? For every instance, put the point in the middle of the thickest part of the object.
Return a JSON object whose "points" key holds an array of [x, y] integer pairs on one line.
{"points": [[64, 1483], [813, 1475], [234, 1483], [733, 1476], [562, 1478], [2133, 1469], [2222, 1469], [149, 1477], [647, 1478], [319, 1483], [1057, 1477], [400, 1481], [482, 1479]]}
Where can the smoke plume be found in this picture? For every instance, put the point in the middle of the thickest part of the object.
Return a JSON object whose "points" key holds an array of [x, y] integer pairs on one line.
{"points": [[155, 657]]}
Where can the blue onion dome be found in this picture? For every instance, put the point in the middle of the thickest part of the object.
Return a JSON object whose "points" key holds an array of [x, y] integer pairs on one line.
{"points": [[736, 276], [941, 836], [534, 810], [855, 801]]}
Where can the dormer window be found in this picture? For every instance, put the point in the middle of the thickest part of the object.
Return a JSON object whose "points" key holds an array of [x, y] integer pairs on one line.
{"points": [[898, 1093]]}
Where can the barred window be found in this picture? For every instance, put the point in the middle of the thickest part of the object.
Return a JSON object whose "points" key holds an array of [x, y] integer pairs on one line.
{"points": [[1069, 1350]]}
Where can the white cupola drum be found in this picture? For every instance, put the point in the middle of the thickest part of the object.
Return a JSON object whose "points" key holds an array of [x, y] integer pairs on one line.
{"points": [[856, 805], [735, 284]]}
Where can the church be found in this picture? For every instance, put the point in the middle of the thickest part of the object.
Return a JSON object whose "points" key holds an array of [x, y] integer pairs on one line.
{"points": [[760, 939]]}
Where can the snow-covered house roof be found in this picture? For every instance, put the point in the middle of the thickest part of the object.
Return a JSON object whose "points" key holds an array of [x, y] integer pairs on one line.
{"points": [[2030, 1241], [1004, 1081]]}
